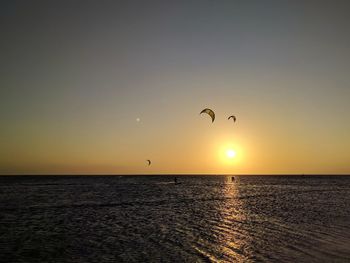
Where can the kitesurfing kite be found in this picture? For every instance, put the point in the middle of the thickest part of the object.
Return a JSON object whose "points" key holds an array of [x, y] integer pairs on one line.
{"points": [[233, 118], [210, 113], [149, 162]]}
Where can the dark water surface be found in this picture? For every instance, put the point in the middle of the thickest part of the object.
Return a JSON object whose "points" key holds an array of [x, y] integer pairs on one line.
{"points": [[150, 219]]}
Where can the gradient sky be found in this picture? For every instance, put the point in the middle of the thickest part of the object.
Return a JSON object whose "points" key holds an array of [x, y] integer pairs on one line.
{"points": [[76, 75]]}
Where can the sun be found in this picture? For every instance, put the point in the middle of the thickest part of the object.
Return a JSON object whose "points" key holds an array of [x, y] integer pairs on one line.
{"points": [[230, 153]]}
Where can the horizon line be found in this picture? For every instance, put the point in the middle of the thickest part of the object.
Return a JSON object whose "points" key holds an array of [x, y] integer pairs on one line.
{"points": [[177, 174]]}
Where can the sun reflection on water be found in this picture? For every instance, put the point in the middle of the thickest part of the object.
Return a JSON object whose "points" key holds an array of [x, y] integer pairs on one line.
{"points": [[235, 240]]}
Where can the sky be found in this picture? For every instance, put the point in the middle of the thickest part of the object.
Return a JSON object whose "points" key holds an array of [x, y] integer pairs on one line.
{"points": [[99, 87]]}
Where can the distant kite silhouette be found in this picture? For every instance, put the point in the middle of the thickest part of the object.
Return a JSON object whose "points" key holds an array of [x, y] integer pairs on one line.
{"points": [[233, 118], [149, 162], [210, 113]]}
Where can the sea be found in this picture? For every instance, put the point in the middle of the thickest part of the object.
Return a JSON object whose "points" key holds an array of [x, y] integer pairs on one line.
{"points": [[201, 218]]}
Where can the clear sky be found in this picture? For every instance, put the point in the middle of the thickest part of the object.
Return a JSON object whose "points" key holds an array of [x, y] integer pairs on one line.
{"points": [[101, 86]]}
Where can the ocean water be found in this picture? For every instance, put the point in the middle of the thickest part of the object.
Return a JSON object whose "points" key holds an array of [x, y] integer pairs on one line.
{"points": [[151, 219]]}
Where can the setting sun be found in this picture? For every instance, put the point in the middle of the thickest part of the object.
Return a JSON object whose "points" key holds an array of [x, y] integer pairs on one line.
{"points": [[230, 153]]}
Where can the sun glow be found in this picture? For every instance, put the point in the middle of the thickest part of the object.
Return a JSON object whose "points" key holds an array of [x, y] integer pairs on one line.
{"points": [[230, 156], [230, 153]]}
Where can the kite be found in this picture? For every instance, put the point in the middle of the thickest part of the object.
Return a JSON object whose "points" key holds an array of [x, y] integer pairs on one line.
{"points": [[210, 113], [233, 118]]}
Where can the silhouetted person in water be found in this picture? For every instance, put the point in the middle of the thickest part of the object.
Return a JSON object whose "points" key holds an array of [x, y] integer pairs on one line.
{"points": [[232, 179], [175, 180]]}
